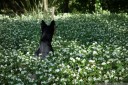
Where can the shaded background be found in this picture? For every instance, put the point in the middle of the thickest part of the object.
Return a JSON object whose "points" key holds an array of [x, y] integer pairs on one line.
{"points": [[63, 6]]}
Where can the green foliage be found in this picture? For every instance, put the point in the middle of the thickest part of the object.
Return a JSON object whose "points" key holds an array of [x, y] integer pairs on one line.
{"points": [[20, 6], [88, 49], [63, 6], [115, 5]]}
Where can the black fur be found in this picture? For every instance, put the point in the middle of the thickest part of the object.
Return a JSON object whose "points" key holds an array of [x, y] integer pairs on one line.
{"points": [[47, 32]]}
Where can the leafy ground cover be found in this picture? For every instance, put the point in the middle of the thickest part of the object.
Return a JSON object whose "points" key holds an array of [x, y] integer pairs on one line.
{"points": [[89, 49]]}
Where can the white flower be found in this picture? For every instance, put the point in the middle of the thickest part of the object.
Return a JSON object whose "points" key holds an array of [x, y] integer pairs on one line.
{"points": [[123, 70], [27, 53], [106, 81], [103, 63], [94, 43], [95, 53], [99, 78], [51, 64], [108, 62], [81, 80], [94, 78], [79, 69], [91, 61], [68, 66], [10, 75], [105, 76], [62, 79], [83, 61], [54, 84], [74, 75], [50, 70], [89, 79], [57, 79], [57, 70], [72, 59], [113, 71], [84, 51], [88, 68], [111, 76], [62, 65], [93, 66], [38, 72], [85, 73], [77, 58], [121, 78], [23, 72]]}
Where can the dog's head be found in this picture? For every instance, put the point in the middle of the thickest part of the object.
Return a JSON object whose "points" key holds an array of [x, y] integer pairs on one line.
{"points": [[47, 31]]}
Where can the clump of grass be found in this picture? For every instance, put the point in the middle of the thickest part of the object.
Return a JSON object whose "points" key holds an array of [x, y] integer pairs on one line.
{"points": [[88, 48]]}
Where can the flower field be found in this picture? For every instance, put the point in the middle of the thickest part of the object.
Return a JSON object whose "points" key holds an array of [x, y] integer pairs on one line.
{"points": [[88, 49]]}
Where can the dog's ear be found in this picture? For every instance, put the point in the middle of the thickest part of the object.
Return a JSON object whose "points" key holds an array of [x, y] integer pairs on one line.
{"points": [[52, 26], [43, 24], [52, 23]]}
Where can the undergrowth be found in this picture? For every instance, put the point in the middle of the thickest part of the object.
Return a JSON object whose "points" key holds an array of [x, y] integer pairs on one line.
{"points": [[88, 49]]}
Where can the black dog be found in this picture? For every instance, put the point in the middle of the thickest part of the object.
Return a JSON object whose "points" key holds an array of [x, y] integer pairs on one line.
{"points": [[47, 32]]}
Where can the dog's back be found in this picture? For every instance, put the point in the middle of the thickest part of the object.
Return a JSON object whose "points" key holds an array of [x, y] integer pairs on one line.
{"points": [[47, 32]]}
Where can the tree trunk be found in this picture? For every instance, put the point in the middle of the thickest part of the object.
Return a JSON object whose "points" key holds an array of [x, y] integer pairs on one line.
{"points": [[46, 5]]}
